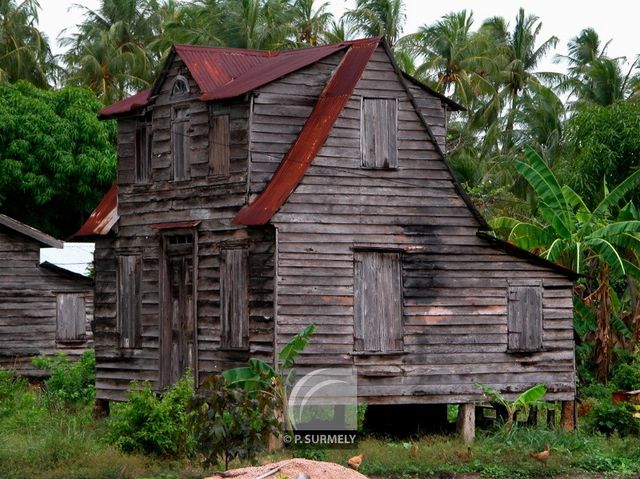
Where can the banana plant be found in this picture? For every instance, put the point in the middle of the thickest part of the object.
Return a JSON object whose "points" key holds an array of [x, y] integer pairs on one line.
{"points": [[528, 398], [603, 243]]}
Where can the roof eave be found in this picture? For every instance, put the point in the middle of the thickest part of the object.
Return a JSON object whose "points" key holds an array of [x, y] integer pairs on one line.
{"points": [[30, 232]]}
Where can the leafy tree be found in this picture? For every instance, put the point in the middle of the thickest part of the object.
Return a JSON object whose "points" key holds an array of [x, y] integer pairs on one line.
{"points": [[24, 50], [601, 143], [56, 158], [310, 21], [603, 242]]}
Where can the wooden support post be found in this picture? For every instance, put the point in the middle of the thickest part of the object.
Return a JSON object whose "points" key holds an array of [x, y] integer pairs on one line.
{"points": [[532, 420], [466, 423], [567, 417], [551, 417], [101, 408]]}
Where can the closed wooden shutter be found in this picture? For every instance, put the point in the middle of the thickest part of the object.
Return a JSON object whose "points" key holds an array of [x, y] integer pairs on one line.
{"points": [[525, 318], [234, 308], [379, 130], [129, 298], [181, 145], [143, 153], [70, 317], [377, 301], [219, 150]]}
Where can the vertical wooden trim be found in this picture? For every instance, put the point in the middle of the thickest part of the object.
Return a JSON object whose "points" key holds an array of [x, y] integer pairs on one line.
{"points": [[129, 300], [180, 135], [276, 280]]}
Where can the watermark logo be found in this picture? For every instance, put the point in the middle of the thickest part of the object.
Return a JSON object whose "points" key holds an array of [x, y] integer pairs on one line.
{"points": [[322, 407]]}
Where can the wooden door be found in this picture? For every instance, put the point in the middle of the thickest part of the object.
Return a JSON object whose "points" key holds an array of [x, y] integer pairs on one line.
{"points": [[179, 347]]}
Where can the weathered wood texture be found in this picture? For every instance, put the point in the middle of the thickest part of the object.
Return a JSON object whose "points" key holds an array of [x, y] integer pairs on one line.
{"points": [[213, 195], [40, 309], [454, 284]]}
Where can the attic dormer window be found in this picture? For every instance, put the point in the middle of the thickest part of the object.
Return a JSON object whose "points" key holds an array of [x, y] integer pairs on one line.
{"points": [[180, 86]]}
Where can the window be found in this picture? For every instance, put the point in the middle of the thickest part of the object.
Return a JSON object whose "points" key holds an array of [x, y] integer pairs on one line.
{"points": [[143, 151], [70, 317], [181, 144], [219, 150], [129, 298], [377, 301], [379, 131], [524, 318], [180, 86], [234, 308]]}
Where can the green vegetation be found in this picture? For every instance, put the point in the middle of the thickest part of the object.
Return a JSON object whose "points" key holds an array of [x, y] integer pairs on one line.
{"points": [[154, 424], [56, 158]]}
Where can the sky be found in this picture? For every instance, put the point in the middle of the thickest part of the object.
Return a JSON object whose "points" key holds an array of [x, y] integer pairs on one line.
{"points": [[615, 20]]}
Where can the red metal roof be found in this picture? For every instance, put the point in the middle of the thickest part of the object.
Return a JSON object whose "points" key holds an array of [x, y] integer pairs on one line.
{"points": [[229, 72], [313, 135], [104, 217], [127, 105]]}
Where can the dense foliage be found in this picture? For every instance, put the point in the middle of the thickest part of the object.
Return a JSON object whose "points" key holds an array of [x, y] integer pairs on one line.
{"points": [[56, 158], [69, 383], [154, 423]]}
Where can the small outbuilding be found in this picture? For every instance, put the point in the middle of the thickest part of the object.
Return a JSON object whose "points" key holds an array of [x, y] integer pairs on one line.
{"points": [[259, 192], [44, 309]]}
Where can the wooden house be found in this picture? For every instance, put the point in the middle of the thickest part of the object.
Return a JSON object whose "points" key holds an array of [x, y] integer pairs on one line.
{"points": [[44, 309], [259, 192]]}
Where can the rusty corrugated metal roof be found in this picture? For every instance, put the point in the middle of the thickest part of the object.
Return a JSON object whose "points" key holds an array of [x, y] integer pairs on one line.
{"points": [[132, 103], [103, 218], [229, 72], [313, 135]]}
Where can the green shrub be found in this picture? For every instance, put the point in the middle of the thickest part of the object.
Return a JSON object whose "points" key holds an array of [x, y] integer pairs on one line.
{"points": [[12, 388], [72, 383], [152, 423], [627, 376], [609, 418], [233, 422]]}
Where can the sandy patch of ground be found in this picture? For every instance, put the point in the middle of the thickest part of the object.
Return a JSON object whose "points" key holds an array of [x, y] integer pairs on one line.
{"points": [[292, 468]]}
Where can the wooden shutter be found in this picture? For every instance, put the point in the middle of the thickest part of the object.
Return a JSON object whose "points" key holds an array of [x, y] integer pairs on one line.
{"points": [[379, 130], [181, 145], [525, 318], [143, 153], [129, 298], [234, 308], [219, 151], [70, 317], [377, 301]]}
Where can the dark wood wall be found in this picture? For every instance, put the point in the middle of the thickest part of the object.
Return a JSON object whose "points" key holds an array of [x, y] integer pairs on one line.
{"points": [[211, 199], [28, 305], [454, 283]]}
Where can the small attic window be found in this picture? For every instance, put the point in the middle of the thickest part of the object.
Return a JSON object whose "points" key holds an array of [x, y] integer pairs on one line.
{"points": [[180, 86]]}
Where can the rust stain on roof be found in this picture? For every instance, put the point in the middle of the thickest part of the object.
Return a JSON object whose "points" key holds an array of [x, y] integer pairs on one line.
{"points": [[313, 135], [103, 218]]}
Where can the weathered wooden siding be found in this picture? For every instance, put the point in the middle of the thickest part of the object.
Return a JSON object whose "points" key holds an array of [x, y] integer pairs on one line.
{"points": [[454, 284], [213, 199], [28, 302]]}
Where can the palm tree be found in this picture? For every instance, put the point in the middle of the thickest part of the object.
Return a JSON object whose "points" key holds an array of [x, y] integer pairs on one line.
{"points": [[454, 57], [110, 51], [24, 50], [338, 31], [605, 241], [593, 77], [378, 17], [310, 22], [518, 56]]}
